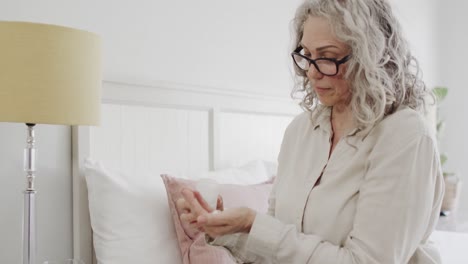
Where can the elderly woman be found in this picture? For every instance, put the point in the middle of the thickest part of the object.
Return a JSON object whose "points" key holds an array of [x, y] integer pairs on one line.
{"points": [[359, 178]]}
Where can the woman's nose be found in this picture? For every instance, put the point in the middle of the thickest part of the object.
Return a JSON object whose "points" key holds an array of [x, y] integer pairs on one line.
{"points": [[313, 73]]}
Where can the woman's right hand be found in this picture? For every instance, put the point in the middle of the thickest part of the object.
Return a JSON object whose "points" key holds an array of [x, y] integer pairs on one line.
{"points": [[192, 205]]}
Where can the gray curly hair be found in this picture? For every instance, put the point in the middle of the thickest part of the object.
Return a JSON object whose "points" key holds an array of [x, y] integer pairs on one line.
{"points": [[383, 74]]}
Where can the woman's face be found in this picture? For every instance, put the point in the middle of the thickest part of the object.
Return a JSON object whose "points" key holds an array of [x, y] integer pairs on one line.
{"points": [[319, 41]]}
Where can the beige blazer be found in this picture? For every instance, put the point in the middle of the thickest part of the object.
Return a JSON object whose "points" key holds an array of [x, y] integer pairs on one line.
{"points": [[377, 202]]}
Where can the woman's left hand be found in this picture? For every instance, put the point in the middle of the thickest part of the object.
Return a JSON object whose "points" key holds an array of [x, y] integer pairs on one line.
{"points": [[218, 223], [229, 221]]}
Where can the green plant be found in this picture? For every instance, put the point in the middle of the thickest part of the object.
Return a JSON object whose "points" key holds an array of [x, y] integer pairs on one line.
{"points": [[440, 93]]}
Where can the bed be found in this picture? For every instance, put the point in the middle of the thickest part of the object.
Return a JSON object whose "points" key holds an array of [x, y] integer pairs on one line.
{"points": [[186, 131], [174, 129]]}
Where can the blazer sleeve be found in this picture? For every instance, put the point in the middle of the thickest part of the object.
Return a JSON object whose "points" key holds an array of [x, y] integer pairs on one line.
{"points": [[394, 206]]}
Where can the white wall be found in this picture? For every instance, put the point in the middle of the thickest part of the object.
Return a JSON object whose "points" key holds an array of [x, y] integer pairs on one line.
{"points": [[241, 45], [419, 22], [453, 58]]}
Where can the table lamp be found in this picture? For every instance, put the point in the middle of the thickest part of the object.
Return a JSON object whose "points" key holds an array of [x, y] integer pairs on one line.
{"points": [[48, 75]]}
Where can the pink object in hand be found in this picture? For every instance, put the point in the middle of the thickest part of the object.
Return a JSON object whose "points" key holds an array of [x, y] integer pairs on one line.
{"points": [[191, 241]]}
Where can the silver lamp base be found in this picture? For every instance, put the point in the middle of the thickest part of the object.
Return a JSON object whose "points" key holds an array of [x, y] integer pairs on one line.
{"points": [[29, 228], [29, 218]]}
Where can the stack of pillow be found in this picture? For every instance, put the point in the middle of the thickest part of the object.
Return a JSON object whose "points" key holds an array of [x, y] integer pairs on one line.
{"points": [[134, 218]]}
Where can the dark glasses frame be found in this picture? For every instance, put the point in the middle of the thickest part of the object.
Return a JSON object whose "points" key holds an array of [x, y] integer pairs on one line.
{"points": [[314, 62]]}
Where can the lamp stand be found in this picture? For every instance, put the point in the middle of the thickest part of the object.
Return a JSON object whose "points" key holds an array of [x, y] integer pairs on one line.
{"points": [[29, 220]]}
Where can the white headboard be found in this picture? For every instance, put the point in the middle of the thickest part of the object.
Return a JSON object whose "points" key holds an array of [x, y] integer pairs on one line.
{"points": [[177, 129]]}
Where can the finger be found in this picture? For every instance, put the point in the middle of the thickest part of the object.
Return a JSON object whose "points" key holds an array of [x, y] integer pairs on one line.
{"points": [[188, 218], [194, 225], [218, 219], [202, 201], [197, 226], [193, 202], [182, 205], [220, 203]]}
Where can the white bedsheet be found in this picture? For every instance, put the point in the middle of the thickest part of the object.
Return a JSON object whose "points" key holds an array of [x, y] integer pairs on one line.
{"points": [[453, 246]]}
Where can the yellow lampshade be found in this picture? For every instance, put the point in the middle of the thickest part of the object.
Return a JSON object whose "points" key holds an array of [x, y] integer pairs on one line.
{"points": [[49, 74]]}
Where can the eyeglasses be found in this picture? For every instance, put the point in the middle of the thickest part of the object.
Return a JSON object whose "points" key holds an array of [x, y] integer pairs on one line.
{"points": [[325, 66]]}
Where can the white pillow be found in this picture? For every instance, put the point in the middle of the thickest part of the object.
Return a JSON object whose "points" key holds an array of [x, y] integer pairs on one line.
{"points": [[253, 172], [129, 212], [130, 218]]}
